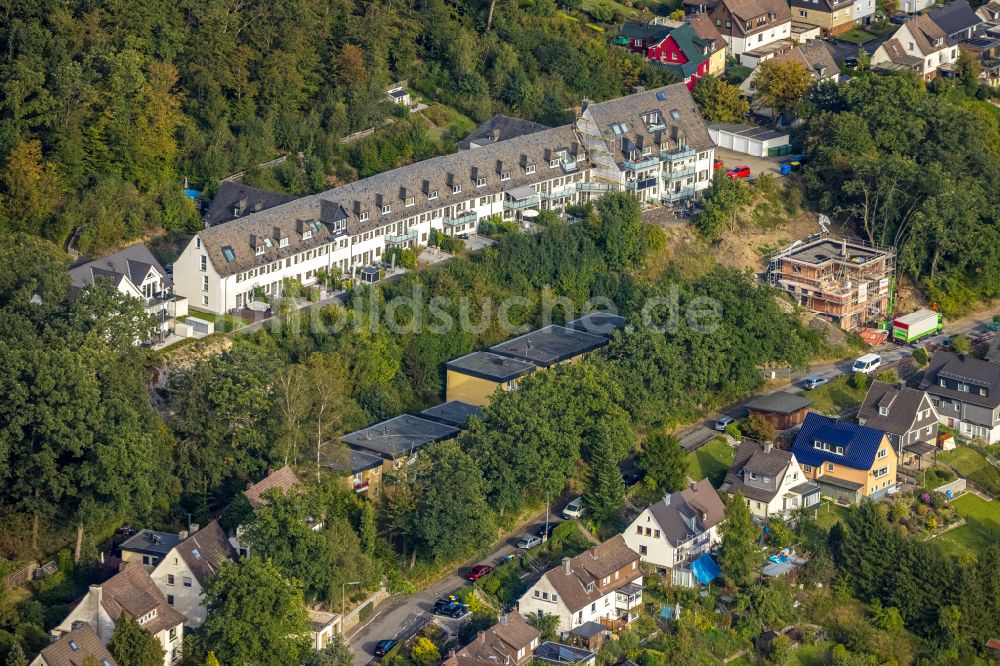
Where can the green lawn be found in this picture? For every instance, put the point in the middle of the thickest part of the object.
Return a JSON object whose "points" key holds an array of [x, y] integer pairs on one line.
{"points": [[986, 514], [828, 514], [711, 461], [810, 655], [856, 36], [964, 539], [836, 397], [972, 465], [606, 6]]}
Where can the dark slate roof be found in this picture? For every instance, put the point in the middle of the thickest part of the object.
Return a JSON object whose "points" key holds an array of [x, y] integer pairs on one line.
{"points": [[761, 459], [362, 460], [399, 436], [860, 442], [827, 5], [454, 413], [206, 551], [549, 345], [779, 402], [151, 542], [903, 406], [73, 647], [641, 30], [557, 653], [339, 210], [598, 323], [688, 126], [500, 128], [133, 262], [692, 502], [490, 366], [971, 370], [954, 17], [235, 200]]}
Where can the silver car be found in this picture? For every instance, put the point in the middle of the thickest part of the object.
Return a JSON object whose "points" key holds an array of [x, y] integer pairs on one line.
{"points": [[529, 541]]}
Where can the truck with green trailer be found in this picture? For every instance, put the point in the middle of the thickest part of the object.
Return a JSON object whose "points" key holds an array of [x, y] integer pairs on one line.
{"points": [[910, 328]]}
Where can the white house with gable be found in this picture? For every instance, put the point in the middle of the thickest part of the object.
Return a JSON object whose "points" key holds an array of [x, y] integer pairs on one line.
{"points": [[678, 529], [184, 572]]}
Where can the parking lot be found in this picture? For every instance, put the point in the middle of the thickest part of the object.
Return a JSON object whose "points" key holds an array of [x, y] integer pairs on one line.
{"points": [[758, 165]]}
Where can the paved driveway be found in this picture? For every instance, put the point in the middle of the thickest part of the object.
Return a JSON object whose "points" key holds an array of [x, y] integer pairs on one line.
{"points": [[758, 165]]}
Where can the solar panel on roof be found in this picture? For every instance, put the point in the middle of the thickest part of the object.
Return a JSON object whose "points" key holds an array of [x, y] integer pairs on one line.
{"points": [[566, 655]]}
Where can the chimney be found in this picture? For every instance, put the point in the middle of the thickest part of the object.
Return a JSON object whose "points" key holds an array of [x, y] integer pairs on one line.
{"points": [[481, 637], [96, 596], [584, 103], [194, 527], [694, 487], [767, 447], [503, 620], [666, 500], [900, 385], [270, 471], [843, 247], [961, 357], [182, 534], [566, 565]]}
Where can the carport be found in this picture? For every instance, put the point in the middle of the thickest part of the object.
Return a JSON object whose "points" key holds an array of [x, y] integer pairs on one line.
{"points": [[749, 139]]}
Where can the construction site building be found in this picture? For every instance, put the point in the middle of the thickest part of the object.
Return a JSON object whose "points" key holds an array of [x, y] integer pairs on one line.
{"points": [[846, 281]]}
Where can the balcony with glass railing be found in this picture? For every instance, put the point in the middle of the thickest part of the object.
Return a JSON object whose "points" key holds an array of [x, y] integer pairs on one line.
{"points": [[675, 174], [597, 187], [637, 185], [518, 204], [460, 219], [677, 195], [677, 154], [646, 163], [628, 597], [399, 239], [567, 191]]}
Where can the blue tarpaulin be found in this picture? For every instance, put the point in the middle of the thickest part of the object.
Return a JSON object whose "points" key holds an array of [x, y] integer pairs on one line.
{"points": [[705, 569]]}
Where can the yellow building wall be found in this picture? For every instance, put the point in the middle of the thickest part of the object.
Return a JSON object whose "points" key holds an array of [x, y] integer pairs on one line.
{"points": [[717, 63], [473, 390], [825, 20], [372, 476], [864, 477], [136, 558]]}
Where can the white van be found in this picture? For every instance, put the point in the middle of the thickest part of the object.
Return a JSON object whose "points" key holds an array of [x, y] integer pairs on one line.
{"points": [[574, 509], [867, 364]]}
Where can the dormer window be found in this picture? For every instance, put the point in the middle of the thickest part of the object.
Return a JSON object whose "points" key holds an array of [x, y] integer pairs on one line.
{"points": [[259, 250], [363, 217], [504, 175], [942, 383], [648, 150], [884, 411], [283, 241], [409, 201], [432, 195], [529, 169], [480, 182], [456, 189], [553, 163], [386, 209]]}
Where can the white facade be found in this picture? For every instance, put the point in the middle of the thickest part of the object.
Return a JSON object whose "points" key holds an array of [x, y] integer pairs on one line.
{"points": [[738, 45], [543, 599], [915, 6], [784, 501], [863, 10], [942, 54], [648, 538], [180, 586]]}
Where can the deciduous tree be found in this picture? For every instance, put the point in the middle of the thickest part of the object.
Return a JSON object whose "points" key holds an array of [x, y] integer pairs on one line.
{"points": [[720, 101], [131, 644]]}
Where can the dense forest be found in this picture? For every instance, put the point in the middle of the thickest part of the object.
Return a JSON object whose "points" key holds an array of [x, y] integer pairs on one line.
{"points": [[106, 108], [914, 169]]}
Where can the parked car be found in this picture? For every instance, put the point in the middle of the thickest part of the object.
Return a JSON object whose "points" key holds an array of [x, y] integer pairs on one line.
{"points": [[851, 62], [545, 531], [445, 602], [813, 382], [867, 364], [455, 611], [574, 509], [529, 541], [382, 648], [478, 571], [504, 559], [739, 172], [723, 423], [718, 163]]}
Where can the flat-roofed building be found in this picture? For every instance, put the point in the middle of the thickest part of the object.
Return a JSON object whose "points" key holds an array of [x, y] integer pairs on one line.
{"points": [[598, 323], [847, 281], [473, 378], [398, 439], [550, 346], [454, 413]]}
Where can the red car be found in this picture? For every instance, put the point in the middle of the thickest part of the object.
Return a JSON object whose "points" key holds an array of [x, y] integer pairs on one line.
{"points": [[718, 164], [739, 172], [478, 571]]}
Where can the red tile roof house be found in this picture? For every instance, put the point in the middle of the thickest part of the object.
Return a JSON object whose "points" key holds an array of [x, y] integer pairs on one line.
{"points": [[683, 53], [510, 642], [78, 647], [283, 479], [129, 591], [603, 584]]}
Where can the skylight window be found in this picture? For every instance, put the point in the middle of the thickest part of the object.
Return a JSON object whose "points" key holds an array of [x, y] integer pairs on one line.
{"points": [[228, 253], [619, 128], [267, 242], [662, 96], [73, 646], [675, 114], [197, 555]]}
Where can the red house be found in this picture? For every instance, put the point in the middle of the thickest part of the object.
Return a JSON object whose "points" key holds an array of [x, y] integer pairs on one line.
{"points": [[684, 53]]}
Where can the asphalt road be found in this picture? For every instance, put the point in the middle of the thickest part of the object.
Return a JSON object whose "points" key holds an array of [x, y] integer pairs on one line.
{"points": [[403, 616]]}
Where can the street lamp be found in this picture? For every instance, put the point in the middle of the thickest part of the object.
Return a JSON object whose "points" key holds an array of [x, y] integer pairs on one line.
{"points": [[343, 602]]}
